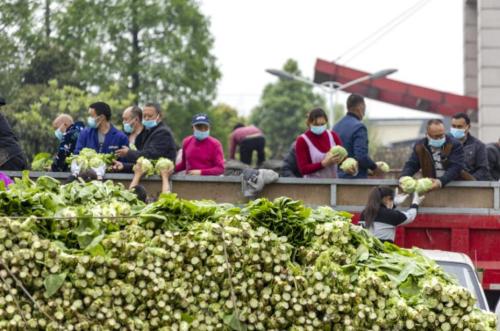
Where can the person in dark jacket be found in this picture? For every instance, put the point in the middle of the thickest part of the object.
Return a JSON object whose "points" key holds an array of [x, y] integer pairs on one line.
{"points": [[67, 132], [380, 216], [290, 168], [100, 135], [439, 156], [476, 158], [11, 154], [132, 126], [154, 142], [354, 137], [494, 159]]}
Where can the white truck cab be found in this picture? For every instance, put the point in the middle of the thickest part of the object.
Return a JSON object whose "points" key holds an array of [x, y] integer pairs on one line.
{"points": [[461, 267]]}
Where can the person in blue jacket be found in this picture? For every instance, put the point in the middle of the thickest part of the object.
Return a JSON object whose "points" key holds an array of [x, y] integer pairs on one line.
{"points": [[67, 132], [354, 136], [100, 134]]}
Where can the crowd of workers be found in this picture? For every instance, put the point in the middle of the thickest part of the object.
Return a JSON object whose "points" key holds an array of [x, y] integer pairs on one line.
{"points": [[441, 156]]}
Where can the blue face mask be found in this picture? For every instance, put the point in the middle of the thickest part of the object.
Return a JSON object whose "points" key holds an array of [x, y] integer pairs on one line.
{"points": [[201, 135], [457, 133], [318, 129], [437, 143], [149, 124], [91, 123], [59, 134], [127, 128]]}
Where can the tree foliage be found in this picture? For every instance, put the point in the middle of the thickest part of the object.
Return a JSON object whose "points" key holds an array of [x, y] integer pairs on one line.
{"points": [[283, 109], [157, 49], [126, 51], [32, 113]]}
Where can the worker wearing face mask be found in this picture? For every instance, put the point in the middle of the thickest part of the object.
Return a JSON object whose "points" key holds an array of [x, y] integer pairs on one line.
{"points": [[201, 153], [100, 135], [476, 158], [155, 139], [67, 133], [312, 148], [439, 156]]}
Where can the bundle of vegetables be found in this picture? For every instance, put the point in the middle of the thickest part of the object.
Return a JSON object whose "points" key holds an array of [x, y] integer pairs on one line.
{"points": [[42, 162], [164, 164], [408, 184], [188, 265], [339, 151], [423, 185], [349, 164], [89, 158], [151, 167], [383, 166]]}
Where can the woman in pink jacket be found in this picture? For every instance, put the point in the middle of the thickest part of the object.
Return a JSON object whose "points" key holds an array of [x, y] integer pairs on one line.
{"points": [[201, 154]]}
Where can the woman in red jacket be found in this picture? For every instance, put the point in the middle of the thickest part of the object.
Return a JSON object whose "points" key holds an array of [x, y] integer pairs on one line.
{"points": [[312, 148]]}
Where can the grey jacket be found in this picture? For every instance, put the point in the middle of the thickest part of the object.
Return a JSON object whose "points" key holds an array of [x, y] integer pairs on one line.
{"points": [[494, 160], [476, 158]]}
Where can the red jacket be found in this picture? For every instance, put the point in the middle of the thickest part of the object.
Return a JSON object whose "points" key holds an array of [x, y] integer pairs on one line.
{"points": [[321, 142]]}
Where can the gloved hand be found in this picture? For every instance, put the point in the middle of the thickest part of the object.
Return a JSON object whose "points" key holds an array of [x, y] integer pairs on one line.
{"points": [[399, 198], [417, 200], [75, 168], [100, 171]]}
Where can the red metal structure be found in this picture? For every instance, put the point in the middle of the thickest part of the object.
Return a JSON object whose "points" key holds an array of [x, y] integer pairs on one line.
{"points": [[395, 92]]}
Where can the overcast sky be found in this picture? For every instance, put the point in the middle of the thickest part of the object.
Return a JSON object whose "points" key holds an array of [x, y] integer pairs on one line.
{"points": [[253, 35]]}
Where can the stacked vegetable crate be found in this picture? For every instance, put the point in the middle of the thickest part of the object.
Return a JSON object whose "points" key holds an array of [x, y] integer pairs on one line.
{"points": [[90, 256]]}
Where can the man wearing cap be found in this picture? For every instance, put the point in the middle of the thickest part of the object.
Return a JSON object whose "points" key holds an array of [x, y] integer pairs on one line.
{"points": [[201, 154], [11, 154]]}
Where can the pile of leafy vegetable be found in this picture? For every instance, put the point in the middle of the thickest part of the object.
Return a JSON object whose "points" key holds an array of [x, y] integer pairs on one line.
{"points": [[99, 259], [42, 162], [89, 158]]}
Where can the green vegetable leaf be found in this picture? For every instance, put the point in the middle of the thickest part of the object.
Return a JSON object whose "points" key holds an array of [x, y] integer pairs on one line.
{"points": [[53, 283], [234, 323]]}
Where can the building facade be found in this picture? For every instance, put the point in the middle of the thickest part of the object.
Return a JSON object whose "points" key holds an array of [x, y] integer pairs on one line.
{"points": [[482, 63]]}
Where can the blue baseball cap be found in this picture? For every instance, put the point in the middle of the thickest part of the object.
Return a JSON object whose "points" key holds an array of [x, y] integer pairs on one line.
{"points": [[200, 119]]}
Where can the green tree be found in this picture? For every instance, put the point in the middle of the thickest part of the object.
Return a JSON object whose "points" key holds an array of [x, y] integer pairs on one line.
{"points": [[157, 49], [282, 111], [32, 113]]}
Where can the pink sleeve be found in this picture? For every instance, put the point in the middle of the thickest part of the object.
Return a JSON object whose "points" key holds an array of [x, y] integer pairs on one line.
{"points": [[218, 168]]}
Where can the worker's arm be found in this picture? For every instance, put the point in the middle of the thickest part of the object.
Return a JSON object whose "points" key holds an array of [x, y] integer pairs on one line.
{"points": [[360, 149]]}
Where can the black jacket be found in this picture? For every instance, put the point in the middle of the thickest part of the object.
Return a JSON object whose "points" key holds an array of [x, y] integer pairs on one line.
{"points": [[290, 168], [476, 158], [494, 160], [452, 156], [153, 144], [9, 145]]}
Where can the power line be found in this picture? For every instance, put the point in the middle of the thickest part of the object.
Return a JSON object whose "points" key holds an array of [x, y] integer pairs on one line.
{"points": [[384, 30]]}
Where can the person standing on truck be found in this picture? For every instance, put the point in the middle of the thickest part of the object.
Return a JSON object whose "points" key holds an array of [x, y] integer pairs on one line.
{"points": [[100, 135], [354, 135], [201, 153], [476, 159], [380, 216], [312, 148], [250, 138], [67, 132], [494, 159], [439, 156], [11, 154]]}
